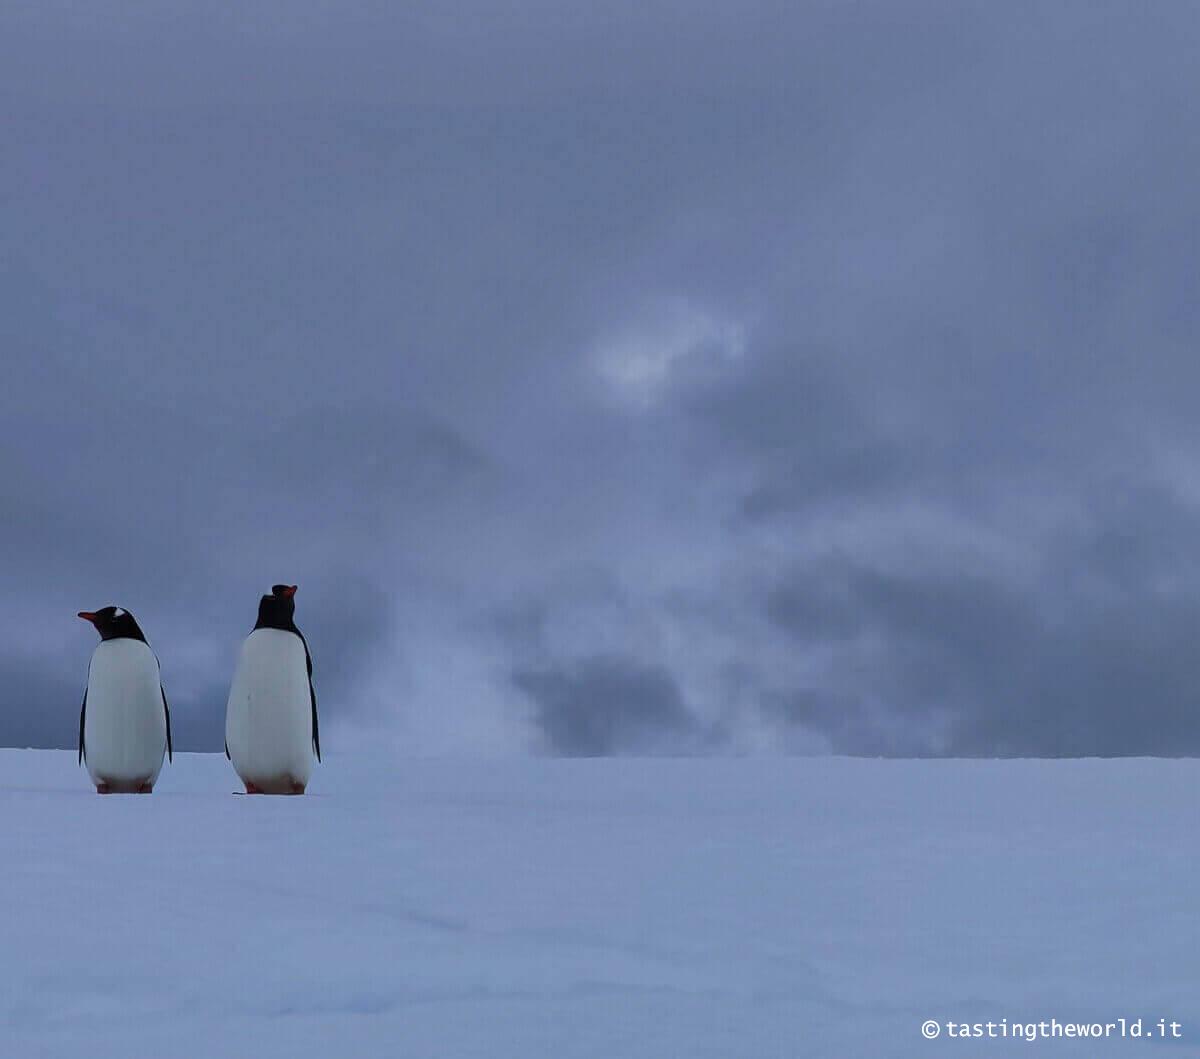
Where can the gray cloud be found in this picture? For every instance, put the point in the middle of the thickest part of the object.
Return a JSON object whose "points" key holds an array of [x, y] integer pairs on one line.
{"points": [[670, 379], [1088, 658], [608, 705], [43, 703]]}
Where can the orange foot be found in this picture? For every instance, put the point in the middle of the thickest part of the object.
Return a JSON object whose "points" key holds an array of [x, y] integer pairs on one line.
{"points": [[146, 788], [251, 789], [297, 788], [103, 788]]}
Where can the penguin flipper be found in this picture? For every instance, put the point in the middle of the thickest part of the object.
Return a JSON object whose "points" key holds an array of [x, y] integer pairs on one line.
{"points": [[166, 711], [227, 757], [312, 695], [82, 714], [316, 731], [167, 714]]}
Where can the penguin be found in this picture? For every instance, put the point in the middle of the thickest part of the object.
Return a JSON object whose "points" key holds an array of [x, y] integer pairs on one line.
{"points": [[124, 721], [271, 729]]}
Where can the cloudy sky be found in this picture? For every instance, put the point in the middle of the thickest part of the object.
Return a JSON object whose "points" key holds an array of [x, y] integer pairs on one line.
{"points": [[628, 378]]}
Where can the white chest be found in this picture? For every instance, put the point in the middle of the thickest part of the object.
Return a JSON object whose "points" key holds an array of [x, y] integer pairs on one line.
{"points": [[125, 729], [268, 720]]}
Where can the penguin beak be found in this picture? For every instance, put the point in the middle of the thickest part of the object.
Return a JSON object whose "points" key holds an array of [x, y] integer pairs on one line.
{"points": [[88, 615], [288, 592]]}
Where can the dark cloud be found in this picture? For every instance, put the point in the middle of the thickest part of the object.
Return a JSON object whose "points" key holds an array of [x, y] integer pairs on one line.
{"points": [[43, 702], [608, 705], [1088, 658], [762, 378]]}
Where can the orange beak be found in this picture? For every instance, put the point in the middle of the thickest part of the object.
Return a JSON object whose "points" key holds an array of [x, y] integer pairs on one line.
{"points": [[290, 591], [88, 615]]}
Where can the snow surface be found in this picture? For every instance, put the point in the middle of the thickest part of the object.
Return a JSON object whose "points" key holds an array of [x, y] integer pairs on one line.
{"points": [[607, 908]]}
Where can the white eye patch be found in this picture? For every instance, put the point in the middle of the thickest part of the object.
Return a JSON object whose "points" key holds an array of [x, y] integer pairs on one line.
{"points": [[118, 613]]}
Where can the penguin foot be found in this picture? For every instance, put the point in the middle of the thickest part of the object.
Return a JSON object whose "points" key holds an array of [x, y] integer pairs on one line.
{"points": [[103, 788], [275, 785], [146, 788]]}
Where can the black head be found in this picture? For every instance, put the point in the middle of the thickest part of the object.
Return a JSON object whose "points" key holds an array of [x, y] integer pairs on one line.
{"points": [[113, 623], [277, 611]]}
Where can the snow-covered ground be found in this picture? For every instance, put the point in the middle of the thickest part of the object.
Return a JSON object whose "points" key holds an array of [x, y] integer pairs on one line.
{"points": [[607, 908]]}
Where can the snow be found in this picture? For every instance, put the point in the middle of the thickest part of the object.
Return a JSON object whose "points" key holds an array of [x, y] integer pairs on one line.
{"points": [[606, 908]]}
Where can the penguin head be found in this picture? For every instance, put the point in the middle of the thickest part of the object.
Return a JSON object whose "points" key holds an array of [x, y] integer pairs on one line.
{"points": [[114, 623], [277, 610]]}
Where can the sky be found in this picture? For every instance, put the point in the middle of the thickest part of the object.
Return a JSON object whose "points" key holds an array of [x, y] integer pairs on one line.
{"points": [[628, 379]]}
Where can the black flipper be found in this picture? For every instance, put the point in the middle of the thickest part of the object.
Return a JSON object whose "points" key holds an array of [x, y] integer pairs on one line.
{"points": [[82, 714], [227, 757], [167, 714], [312, 695]]}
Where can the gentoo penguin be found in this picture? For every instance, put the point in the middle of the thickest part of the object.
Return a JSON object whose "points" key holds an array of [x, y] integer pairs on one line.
{"points": [[271, 728], [124, 722]]}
